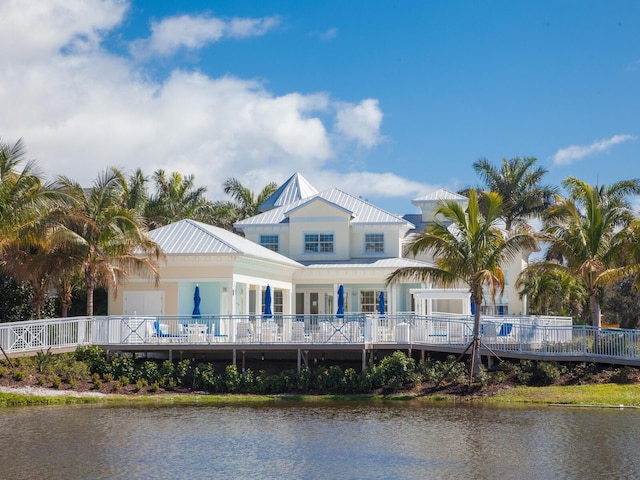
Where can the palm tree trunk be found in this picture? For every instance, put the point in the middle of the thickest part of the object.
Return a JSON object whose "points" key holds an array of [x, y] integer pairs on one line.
{"points": [[476, 361], [594, 307], [89, 301]]}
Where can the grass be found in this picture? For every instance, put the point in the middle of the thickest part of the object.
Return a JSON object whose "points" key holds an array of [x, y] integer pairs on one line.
{"points": [[608, 394], [600, 395]]}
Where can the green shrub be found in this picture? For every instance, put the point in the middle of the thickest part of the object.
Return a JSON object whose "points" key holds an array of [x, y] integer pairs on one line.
{"points": [[398, 370], [184, 373], [42, 381], [232, 379], [304, 380], [108, 377], [155, 387], [122, 380], [147, 371], [351, 383], [335, 379], [545, 373], [73, 383], [18, 376], [97, 385], [94, 357], [622, 375], [42, 360], [56, 382], [4, 371], [122, 367], [206, 379]]}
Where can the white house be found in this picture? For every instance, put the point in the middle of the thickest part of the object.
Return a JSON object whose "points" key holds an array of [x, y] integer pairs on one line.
{"points": [[304, 245]]}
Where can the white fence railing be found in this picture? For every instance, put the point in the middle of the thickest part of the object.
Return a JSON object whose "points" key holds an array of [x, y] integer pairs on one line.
{"points": [[532, 336]]}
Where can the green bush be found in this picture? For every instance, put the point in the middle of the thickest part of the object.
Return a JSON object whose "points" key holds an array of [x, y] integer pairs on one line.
{"points": [[56, 382], [232, 379], [206, 378], [147, 371], [94, 357], [622, 375], [304, 380], [122, 367], [398, 370], [183, 373], [546, 373]]}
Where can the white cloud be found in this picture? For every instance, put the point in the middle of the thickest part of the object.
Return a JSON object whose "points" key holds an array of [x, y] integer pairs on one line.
{"points": [[193, 32], [565, 156], [360, 122], [80, 109]]}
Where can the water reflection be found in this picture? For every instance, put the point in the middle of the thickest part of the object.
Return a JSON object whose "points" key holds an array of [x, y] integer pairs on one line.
{"points": [[394, 440]]}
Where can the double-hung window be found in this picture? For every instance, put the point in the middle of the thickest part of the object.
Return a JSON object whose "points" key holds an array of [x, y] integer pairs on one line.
{"points": [[368, 301], [270, 242], [374, 243], [318, 243]]}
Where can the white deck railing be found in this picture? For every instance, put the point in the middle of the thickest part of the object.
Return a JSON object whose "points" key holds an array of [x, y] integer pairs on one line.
{"points": [[530, 336]]}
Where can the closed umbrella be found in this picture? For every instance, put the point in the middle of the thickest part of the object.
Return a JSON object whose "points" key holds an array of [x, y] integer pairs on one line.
{"points": [[267, 303], [381, 303], [340, 312], [196, 303]]}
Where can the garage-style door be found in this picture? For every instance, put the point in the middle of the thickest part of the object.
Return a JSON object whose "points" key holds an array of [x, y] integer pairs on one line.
{"points": [[144, 303]]}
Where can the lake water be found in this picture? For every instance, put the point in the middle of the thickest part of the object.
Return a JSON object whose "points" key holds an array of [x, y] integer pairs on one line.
{"points": [[318, 441]]}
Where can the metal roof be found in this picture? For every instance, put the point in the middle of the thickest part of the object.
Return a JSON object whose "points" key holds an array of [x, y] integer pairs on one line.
{"points": [[438, 195], [295, 188], [188, 237], [365, 263], [362, 211]]}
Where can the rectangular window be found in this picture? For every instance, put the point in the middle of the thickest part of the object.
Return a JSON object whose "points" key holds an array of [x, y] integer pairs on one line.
{"points": [[278, 301], [269, 241], [318, 242], [368, 303], [374, 243]]}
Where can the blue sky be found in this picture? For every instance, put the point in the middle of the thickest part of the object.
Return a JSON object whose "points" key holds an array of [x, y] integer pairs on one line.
{"points": [[385, 100]]}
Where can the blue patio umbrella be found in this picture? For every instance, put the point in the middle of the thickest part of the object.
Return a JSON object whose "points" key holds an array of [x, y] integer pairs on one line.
{"points": [[381, 303], [267, 303], [340, 312], [196, 302]]}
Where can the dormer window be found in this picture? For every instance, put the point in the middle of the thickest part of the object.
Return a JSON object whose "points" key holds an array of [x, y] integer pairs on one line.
{"points": [[318, 243], [269, 241], [374, 243]]}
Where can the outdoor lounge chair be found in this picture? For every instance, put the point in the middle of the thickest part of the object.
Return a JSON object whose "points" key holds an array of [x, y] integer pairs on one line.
{"points": [[161, 330], [298, 334], [244, 332], [505, 329]]}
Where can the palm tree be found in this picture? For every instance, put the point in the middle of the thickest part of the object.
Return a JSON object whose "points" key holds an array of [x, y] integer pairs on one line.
{"points": [[247, 204], [519, 184], [592, 233], [551, 292], [23, 195], [108, 239], [244, 203], [468, 247], [176, 198]]}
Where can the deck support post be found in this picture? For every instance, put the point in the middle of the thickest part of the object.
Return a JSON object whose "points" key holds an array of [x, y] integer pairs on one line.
{"points": [[243, 365], [422, 356], [364, 358], [299, 362], [171, 355], [234, 357]]}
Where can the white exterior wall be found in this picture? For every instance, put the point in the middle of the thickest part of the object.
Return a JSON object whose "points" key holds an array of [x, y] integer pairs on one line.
{"points": [[319, 217]]}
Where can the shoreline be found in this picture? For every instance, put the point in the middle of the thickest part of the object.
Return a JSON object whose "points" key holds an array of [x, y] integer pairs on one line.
{"points": [[614, 396]]}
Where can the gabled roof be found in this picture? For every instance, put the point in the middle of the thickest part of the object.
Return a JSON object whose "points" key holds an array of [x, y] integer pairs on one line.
{"points": [[296, 188], [188, 237], [362, 211], [439, 195]]}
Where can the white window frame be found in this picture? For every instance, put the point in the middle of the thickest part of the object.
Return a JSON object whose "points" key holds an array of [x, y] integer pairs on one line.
{"points": [[374, 244], [319, 242], [270, 245]]}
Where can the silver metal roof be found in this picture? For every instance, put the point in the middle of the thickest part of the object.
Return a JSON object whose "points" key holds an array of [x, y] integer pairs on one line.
{"points": [[295, 188], [362, 211], [438, 195], [365, 263], [188, 237]]}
